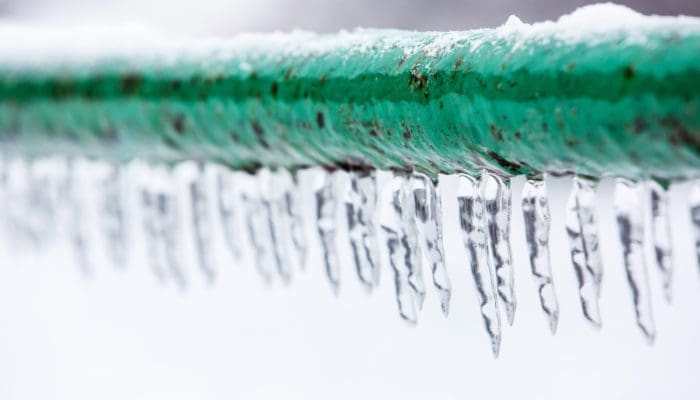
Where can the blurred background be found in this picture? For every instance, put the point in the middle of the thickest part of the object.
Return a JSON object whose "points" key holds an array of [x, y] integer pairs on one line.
{"points": [[120, 334], [224, 17]]}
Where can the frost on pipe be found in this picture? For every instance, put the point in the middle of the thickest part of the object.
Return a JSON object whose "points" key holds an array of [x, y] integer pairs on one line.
{"points": [[578, 94]]}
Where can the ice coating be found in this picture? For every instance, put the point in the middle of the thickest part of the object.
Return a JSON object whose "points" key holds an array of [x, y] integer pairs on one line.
{"points": [[536, 218], [661, 235], [392, 223], [471, 221], [583, 239], [326, 205], [360, 207], [112, 215], [228, 202], [202, 225], [496, 198], [630, 222], [429, 218]]}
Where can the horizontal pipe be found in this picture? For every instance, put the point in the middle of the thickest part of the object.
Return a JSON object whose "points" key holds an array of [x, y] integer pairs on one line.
{"points": [[519, 99]]}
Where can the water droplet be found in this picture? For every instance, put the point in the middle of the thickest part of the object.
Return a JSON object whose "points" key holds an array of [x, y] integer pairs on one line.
{"points": [[360, 207], [583, 238], [630, 221], [661, 235], [496, 196], [536, 218], [471, 218], [428, 214]]}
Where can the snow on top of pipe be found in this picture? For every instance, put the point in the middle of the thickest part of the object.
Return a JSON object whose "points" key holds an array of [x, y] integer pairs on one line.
{"points": [[23, 45]]}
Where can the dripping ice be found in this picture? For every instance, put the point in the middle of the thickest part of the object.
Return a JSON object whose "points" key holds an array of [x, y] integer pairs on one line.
{"points": [[394, 228]]}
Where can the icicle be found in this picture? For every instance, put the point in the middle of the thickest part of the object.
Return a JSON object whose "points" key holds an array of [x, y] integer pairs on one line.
{"points": [[228, 202], [276, 195], [202, 225], [410, 228], [695, 217], [112, 216], [296, 220], [583, 237], [360, 206], [428, 213], [78, 236], [326, 203], [161, 219], [258, 225], [392, 222], [661, 235], [630, 221], [471, 217], [149, 215], [536, 217], [496, 195]]}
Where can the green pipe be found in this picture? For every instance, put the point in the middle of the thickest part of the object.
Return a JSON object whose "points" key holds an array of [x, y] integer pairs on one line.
{"points": [[515, 100]]}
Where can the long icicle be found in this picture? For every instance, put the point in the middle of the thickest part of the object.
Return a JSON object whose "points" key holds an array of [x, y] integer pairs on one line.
{"points": [[326, 204], [429, 217], [471, 217], [661, 236], [496, 197], [694, 204], [583, 238], [537, 221], [360, 208], [392, 222], [630, 221]]}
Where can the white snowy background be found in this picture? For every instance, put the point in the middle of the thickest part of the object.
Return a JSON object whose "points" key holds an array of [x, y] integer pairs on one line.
{"points": [[118, 334]]}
